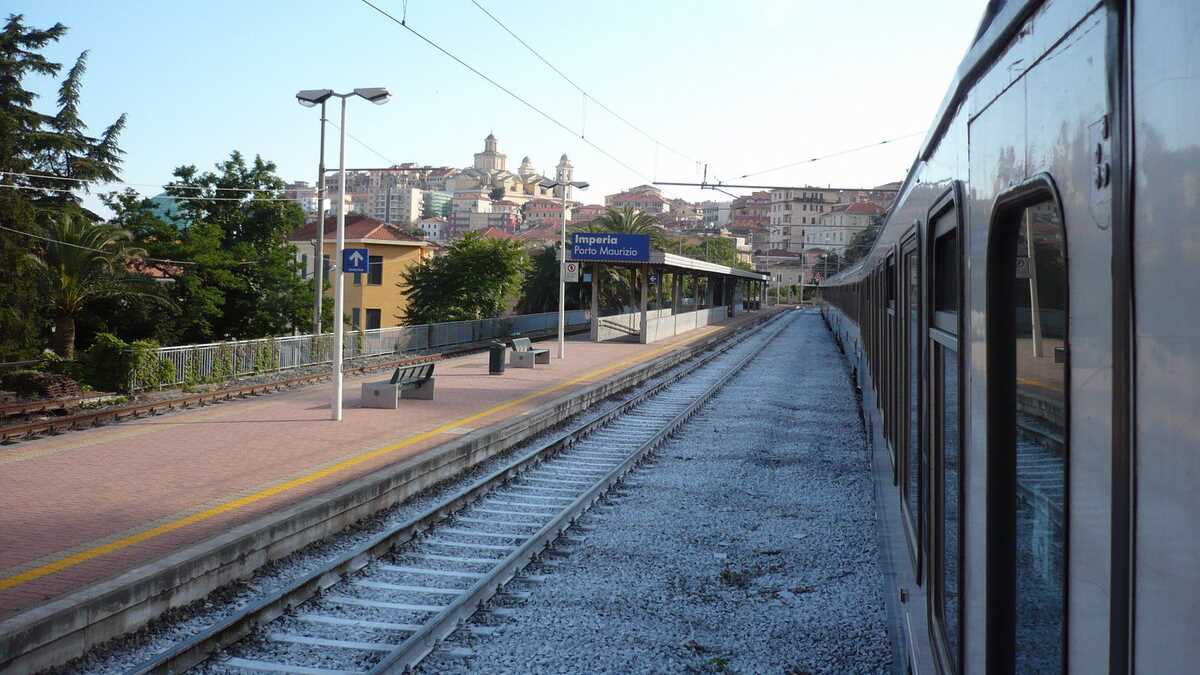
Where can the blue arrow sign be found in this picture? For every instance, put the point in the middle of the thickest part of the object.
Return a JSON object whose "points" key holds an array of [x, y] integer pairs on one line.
{"points": [[355, 260]]}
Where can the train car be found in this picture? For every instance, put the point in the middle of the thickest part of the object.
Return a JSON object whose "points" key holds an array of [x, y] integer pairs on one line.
{"points": [[1026, 335]]}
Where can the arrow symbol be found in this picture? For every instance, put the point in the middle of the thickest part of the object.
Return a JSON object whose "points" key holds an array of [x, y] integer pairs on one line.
{"points": [[356, 258]]}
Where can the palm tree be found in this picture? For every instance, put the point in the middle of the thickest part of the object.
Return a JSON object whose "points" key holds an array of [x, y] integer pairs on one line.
{"points": [[629, 221], [82, 262], [618, 289]]}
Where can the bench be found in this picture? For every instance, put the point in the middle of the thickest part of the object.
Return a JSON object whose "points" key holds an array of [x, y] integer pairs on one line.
{"points": [[524, 355], [413, 382]]}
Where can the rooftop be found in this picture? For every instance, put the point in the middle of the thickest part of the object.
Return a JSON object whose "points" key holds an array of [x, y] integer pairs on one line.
{"points": [[358, 227]]}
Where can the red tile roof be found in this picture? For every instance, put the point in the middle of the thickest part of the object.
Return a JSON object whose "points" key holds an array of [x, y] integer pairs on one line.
{"points": [[495, 233], [358, 227], [864, 209]]}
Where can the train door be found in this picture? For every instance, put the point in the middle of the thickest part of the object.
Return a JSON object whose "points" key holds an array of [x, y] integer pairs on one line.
{"points": [[910, 448], [891, 365], [944, 299], [1039, 460]]}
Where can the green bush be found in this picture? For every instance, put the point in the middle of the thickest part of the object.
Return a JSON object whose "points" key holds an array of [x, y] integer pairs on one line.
{"points": [[146, 368], [111, 364], [108, 362]]}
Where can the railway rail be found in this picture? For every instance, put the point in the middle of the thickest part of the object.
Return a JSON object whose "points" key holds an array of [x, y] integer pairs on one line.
{"points": [[388, 604]]}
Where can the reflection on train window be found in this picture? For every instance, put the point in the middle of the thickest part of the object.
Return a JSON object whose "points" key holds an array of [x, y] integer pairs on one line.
{"points": [[1040, 330], [951, 470], [945, 456], [945, 261], [912, 336]]}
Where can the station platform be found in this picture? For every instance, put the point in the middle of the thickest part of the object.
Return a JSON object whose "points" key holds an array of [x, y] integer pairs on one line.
{"points": [[82, 508]]}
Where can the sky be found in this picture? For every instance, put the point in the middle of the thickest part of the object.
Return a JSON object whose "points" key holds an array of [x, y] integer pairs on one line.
{"points": [[740, 86]]}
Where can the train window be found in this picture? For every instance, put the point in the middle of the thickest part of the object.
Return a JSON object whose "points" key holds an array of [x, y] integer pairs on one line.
{"points": [[912, 453], [1027, 419], [946, 456]]}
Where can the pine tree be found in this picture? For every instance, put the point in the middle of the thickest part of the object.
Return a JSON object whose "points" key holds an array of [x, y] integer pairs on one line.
{"points": [[37, 152]]}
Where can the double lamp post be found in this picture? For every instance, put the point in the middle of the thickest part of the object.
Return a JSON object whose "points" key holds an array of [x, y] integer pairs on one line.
{"points": [[310, 98]]}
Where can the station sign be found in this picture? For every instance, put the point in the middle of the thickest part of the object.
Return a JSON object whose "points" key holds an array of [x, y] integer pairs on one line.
{"points": [[355, 260], [610, 246], [571, 272]]}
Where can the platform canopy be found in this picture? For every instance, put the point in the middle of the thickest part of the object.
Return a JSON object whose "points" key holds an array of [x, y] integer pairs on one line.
{"points": [[661, 294]]}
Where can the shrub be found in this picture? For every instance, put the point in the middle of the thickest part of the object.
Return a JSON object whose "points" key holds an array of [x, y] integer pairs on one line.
{"points": [[145, 368], [108, 363]]}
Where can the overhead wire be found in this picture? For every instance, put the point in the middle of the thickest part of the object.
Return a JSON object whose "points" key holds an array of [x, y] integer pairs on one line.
{"points": [[173, 197], [550, 118], [583, 91], [95, 250], [164, 186], [830, 155]]}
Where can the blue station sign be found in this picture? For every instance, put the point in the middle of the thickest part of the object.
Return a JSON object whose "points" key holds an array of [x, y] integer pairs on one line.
{"points": [[355, 260], [610, 246]]}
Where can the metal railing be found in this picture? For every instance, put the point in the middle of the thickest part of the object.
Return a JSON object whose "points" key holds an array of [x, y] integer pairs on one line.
{"points": [[223, 361]]}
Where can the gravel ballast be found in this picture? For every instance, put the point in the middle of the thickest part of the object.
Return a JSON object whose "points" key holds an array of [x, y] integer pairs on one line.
{"points": [[747, 544]]}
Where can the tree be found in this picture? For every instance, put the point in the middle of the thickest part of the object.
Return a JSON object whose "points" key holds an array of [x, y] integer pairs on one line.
{"points": [[539, 292], [241, 278], [496, 194], [43, 157], [629, 221], [861, 243], [476, 278], [84, 262]]}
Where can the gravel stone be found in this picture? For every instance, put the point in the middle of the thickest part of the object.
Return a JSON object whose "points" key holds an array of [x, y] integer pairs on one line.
{"points": [[747, 544]]}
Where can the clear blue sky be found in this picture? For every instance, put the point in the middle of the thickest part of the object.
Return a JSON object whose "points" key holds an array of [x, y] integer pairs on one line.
{"points": [[742, 85]]}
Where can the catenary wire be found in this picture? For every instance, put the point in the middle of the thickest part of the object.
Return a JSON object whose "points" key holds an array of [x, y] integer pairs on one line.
{"points": [[94, 250], [199, 198], [571, 82], [164, 186], [506, 90], [838, 154]]}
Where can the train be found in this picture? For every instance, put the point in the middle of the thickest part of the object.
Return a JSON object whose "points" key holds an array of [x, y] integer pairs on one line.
{"points": [[1025, 332]]}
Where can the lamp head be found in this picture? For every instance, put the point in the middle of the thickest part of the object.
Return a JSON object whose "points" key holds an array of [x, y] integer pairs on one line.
{"points": [[582, 184], [376, 95], [311, 97], [547, 183]]}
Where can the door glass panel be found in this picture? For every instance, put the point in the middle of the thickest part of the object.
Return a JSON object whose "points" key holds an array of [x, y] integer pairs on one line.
{"points": [[951, 469], [1040, 304], [912, 492]]}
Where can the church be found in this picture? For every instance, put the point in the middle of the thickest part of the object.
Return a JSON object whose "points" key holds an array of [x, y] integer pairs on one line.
{"points": [[490, 171]]}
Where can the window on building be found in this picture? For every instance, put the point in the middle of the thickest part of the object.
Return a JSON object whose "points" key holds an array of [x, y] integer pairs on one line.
{"points": [[375, 270], [303, 265], [374, 316], [325, 269], [354, 316]]}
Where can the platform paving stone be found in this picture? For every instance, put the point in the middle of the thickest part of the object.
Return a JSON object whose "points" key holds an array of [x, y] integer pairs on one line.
{"points": [[86, 506]]}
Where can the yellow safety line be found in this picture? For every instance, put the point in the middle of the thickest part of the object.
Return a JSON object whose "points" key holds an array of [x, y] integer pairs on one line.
{"points": [[89, 554]]}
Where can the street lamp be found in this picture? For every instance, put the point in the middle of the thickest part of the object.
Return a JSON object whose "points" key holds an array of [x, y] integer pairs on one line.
{"points": [[562, 260], [310, 98]]}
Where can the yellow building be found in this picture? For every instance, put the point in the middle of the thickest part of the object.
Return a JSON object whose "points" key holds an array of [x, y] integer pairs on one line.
{"points": [[376, 299]]}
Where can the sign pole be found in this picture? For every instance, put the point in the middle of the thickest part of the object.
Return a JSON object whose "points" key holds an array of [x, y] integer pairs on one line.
{"points": [[562, 278]]}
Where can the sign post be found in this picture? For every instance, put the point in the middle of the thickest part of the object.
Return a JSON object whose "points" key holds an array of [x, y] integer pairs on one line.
{"points": [[572, 272]]}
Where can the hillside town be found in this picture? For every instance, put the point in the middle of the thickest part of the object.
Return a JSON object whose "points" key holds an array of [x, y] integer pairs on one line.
{"points": [[798, 235]]}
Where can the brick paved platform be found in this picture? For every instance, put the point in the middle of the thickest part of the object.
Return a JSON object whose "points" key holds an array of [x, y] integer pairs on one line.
{"points": [[84, 507]]}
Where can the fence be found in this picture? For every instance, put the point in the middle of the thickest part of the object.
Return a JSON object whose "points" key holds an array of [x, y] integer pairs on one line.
{"points": [[221, 361]]}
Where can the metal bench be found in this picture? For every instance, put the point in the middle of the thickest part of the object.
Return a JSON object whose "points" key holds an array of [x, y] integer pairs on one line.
{"points": [[524, 355], [413, 382]]}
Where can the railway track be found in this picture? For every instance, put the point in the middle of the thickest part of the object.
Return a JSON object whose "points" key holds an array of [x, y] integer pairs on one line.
{"points": [[387, 605]]}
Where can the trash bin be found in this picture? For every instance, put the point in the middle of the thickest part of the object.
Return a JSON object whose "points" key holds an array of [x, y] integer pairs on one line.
{"points": [[496, 358]]}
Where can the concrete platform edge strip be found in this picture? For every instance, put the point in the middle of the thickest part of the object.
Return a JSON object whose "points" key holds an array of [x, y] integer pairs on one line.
{"points": [[65, 628]]}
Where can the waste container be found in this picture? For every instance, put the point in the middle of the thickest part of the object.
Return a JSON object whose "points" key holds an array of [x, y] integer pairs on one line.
{"points": [[496, 358]]}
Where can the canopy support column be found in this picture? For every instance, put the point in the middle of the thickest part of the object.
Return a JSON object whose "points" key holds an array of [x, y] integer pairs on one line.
{"points": [[597, 268], [643, 277]]}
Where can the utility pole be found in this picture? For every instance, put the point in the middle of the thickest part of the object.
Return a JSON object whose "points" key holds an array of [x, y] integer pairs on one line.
{"points": [[319, 262]]}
